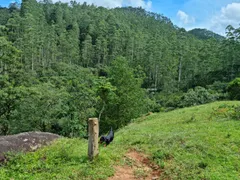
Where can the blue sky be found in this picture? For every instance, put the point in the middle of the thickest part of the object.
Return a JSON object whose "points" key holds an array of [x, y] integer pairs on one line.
{"points": [[214, 15], [211, 14], [4, 3]]}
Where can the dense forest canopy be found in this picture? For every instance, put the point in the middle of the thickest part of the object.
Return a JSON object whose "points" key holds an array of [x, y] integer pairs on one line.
{"points": [[62, 63], [205, 34]]}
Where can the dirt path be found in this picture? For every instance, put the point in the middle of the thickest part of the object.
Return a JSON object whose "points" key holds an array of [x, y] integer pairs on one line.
{"points": [[136, 166]]}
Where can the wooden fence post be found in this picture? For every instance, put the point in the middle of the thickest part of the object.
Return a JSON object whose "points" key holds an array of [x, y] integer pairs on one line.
{"points": [[93, 131]]}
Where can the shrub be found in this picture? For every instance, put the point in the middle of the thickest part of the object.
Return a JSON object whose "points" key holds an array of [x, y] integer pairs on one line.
{"points": [[227, 111], [233, 89], [152, 105], [198, 95], [219, 88], [169, 100]]}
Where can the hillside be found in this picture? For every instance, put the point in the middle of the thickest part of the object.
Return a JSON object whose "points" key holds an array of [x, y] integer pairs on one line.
{"points": [[205, 34], [199, 142]]}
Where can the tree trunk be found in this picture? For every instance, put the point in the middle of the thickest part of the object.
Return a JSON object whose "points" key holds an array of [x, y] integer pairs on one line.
{"points": [[179, 72]]}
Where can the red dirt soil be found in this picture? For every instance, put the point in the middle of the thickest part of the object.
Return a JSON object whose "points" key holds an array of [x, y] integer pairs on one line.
{"points": [[139, 167]]}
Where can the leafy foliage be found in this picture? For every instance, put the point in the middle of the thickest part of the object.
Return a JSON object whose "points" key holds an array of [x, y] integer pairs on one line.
{"points": [[11, 91], [205, 34], [234, 89], [227, 111], [169, 100], [129, 99], [197, 96]]}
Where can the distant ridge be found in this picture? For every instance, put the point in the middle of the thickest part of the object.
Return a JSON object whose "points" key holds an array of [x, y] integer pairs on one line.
{"points": [[205, 34]]}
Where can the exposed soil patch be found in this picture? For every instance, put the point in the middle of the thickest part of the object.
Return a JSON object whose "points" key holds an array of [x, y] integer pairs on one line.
{"points": [[137, 166], [29, 141]]}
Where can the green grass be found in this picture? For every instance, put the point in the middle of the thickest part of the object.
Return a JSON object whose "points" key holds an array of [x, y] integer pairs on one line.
{"points": [[189, 143]]}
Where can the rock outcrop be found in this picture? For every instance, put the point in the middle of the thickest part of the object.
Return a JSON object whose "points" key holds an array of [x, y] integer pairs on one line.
{"points": [[28, 141]]}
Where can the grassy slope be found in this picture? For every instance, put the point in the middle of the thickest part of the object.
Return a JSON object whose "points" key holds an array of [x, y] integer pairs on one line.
{"points": [[188, 143]]}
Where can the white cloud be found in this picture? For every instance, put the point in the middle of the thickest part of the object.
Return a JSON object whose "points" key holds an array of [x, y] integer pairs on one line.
{"points": [[232, 11], [229, 15], [185, 18], [116, 3]]}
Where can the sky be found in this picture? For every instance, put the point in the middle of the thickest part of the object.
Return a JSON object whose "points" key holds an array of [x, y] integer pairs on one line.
{"points": [[214, 15]]}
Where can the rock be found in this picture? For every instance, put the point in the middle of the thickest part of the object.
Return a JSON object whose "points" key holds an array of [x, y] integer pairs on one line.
{"points": [[28, 141]]}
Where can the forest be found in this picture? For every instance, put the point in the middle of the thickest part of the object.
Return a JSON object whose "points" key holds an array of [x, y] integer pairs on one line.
{"points": [[63, 63]]}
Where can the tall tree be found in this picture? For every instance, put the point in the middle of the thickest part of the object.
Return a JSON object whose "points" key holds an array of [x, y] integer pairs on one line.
{"points": [[11, 91], [87, 52]]}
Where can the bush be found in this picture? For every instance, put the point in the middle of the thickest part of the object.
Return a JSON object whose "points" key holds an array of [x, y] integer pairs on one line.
{"points": [[233, 89], [219, 88], [198, 95], [169, 100], [152, 105], [227, 111]]}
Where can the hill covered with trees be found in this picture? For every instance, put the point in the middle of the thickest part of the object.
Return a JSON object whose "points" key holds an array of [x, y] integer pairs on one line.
{"points": [[205, 34], [62, 63]]}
